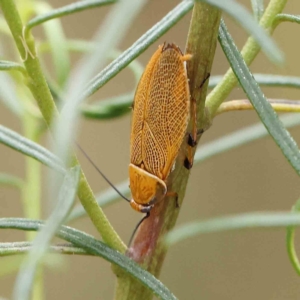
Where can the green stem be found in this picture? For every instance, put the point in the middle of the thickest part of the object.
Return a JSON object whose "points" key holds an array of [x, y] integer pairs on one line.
{"points": [[31, 191], [41, 92], [249, 52], [290, 242], [285, 18], [31, 195]]}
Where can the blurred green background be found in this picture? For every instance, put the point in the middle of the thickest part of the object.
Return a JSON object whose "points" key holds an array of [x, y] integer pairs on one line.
{"points": [[230, 266]]}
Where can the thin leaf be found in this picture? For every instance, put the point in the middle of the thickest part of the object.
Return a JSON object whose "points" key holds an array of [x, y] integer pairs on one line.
{"points": [[67, 10], [41, 243], [17, 142], [11, 66], [264, 110], [15, 248], [237, 222], [265, 80], [152, 35], [93, 246], [244, 18], [279, 105]]}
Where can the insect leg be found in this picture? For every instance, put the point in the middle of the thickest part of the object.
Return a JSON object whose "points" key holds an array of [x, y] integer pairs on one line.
{"points": [[192, 136]]}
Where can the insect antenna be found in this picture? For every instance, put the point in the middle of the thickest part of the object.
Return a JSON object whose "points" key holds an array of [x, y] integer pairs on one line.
{"points": [[101, 173], [137, 227]]}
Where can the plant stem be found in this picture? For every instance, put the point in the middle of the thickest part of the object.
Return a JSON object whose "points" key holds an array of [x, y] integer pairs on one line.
{"points": [[280, 105], [249, 52], [147, 248], [31, 191], [39, 88], [31, 194]]}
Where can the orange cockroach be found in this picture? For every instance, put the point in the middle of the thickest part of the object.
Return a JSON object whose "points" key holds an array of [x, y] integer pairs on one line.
{"points": [[161, 113]]}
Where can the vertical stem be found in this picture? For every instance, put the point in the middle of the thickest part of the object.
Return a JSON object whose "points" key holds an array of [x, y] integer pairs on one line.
{"points": [[148, 246], [32, 189], [31, 195]]}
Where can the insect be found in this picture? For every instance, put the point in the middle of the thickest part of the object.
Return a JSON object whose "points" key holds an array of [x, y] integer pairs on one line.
{"points": [[161, 113]]}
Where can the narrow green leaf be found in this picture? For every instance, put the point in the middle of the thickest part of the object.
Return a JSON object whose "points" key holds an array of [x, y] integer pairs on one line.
{"points": [[265, 80], [244, 18], [11, 180], [8, 95], [264, 110], [7, 249], [109, 108], [11, 66], [258, 8], [152, 35], [42, 241], [67, 10], [17, 142], [135, 66], [238, 222], [93, 246]]}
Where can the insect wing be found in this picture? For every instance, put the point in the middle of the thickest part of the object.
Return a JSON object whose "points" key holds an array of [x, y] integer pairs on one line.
{"points": [[161, 112]]}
